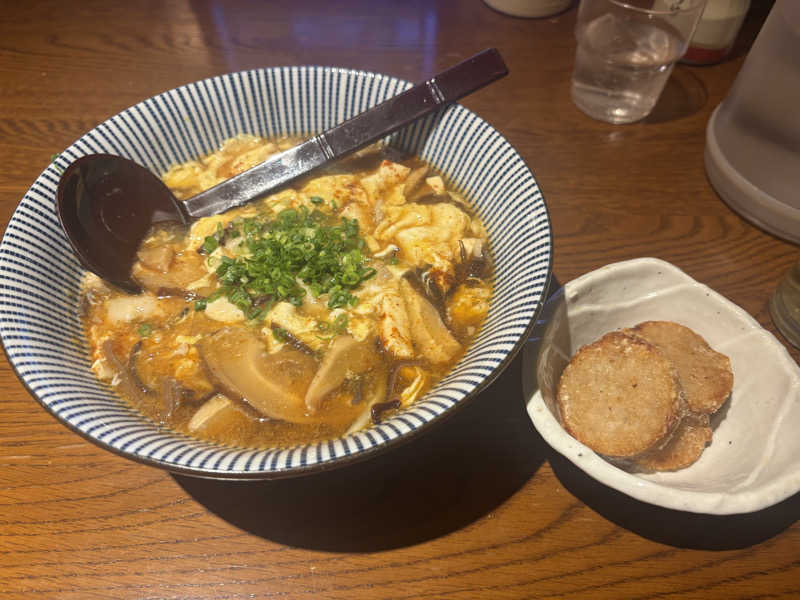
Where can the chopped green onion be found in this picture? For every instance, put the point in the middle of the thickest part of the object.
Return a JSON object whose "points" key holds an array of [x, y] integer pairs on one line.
{"points": [[210, 244], [145, 330], [340, 323], [316, 200], [297, 252]]}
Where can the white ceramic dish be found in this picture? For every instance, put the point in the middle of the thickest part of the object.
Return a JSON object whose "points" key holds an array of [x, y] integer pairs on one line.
{"points": [[754, 459]]}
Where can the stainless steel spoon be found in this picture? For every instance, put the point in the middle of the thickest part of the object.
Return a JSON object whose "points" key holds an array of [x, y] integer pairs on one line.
{"points": [[107, 204]]}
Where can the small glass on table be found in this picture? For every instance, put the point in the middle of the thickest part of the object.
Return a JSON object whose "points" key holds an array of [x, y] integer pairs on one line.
{"points": [[626, 51], [784, 306]]}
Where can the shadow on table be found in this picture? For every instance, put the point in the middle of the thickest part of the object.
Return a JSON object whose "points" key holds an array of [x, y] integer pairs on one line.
{"points": [[673, 527], [449, 477], [684, 95], [666, 526]]}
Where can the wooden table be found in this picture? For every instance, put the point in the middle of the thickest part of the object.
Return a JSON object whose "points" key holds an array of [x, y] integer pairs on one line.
{"points": [[480, 507]]}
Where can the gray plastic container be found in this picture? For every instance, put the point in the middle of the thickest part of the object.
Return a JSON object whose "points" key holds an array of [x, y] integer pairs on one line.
{"points": [[752, 154]]}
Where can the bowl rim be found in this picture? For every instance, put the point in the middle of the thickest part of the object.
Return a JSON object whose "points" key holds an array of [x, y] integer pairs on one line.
{"points": [[334, 461]]}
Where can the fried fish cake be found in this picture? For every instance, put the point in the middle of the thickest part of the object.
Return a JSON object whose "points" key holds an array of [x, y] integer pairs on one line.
{"points": [[685, 446], [706, 375], [620, 396]]}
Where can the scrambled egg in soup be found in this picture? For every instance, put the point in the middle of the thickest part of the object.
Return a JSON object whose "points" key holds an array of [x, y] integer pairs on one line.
{"points": [[303, 315]]}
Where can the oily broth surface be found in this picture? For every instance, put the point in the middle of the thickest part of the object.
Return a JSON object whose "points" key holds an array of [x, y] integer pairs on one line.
{"points": [[422, 240]]}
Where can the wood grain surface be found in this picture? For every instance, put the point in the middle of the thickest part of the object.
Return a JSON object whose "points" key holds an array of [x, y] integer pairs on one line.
{"points": [[480, 507]]}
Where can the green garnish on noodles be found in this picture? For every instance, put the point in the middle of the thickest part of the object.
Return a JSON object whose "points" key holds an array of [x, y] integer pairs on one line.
{"points": [[327, 255]]}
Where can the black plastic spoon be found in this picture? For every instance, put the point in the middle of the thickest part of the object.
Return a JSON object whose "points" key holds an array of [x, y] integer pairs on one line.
{"points": [[106, 204]]}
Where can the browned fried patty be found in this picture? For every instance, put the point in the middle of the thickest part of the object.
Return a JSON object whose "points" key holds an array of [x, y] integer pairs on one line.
{"points": [[705, 375], [620, 396], [684, 447]]}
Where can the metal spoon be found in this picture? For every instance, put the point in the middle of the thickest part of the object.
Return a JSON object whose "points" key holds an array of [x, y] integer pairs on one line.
{"points": [[107, 204]]}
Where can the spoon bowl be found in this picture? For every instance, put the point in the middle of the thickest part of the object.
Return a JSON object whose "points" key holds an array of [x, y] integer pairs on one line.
{"points": [[106, 205]]}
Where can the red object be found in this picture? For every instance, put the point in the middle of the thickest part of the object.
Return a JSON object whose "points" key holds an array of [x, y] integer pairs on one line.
{"points": [[704, 56]]}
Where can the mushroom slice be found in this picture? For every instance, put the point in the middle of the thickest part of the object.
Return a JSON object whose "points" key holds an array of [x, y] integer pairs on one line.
{"points": [[428, 332], [346, 356], [212, 407], [217, 410], [122, 375], [237, 360], [414, 180]]}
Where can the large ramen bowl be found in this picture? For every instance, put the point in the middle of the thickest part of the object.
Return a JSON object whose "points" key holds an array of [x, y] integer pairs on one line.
{"points": [[41, 278]]}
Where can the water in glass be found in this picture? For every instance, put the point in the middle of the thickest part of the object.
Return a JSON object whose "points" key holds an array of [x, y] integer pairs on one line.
{"points": [[621, 67]]}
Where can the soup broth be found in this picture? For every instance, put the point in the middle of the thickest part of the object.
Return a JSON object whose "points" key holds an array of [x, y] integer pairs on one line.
{"points": [[301, 316]]}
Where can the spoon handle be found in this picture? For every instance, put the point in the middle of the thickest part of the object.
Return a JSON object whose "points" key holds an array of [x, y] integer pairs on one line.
{"points": [[363, 129]]}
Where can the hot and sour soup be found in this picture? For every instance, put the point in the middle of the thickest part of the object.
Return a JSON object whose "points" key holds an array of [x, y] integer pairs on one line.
{"points": [[303, 315]]}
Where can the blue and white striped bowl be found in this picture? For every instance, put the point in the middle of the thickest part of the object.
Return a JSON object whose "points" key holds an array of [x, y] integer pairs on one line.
{"points": [[39, 323]]}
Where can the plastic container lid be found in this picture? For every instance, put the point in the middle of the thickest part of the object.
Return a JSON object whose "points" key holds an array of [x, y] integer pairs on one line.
{"points": [[750, 201]]}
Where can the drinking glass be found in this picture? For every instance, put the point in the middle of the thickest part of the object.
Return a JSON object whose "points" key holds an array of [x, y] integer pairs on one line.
{"points": [[626, 51], [784, 306]]}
